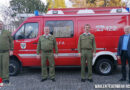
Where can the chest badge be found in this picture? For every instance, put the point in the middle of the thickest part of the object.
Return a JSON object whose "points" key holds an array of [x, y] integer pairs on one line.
{"points": [[23, 45]]}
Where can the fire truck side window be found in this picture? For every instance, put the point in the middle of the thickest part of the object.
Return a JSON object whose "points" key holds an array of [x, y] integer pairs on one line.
{"points": [[19, 34], [61, 29], [31, 30], [27, 31]]}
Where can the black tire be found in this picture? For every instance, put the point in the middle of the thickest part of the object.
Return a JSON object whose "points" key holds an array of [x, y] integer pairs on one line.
{"points": [[104, 66], [14, 68]]}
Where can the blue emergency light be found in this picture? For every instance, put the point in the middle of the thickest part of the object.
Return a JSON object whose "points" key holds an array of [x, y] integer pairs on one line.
{"points": [[36, 13], [128, 9]]}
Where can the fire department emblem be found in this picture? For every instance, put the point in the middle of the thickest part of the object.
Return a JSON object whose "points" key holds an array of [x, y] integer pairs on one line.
{"points": [[23, 45]]}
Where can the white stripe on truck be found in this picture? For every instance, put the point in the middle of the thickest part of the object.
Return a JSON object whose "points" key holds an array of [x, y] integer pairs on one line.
{"points": [[59, 55]]}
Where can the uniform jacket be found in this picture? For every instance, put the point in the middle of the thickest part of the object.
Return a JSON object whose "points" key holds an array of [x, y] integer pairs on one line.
{"points": [[86, 42], [6, 40], [47, 44]]}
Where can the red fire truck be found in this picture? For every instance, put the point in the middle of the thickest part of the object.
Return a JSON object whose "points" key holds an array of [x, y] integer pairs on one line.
{"points": [[107, 24]]}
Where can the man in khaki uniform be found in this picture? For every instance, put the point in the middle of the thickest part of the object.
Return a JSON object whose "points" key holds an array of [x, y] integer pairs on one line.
{"points": [[46, 44], [6, 45], [87, 49]]}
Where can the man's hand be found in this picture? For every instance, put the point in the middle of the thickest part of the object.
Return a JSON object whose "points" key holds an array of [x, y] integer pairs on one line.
{"points": [[56, 55], [79, 54], [94, 54], [38, 56], [10, 53], [118, 57]]}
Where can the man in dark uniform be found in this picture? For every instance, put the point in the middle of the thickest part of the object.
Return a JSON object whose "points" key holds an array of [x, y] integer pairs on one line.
{"points": [[87, 49], [46, 44], [6, 48], [123, 51]]}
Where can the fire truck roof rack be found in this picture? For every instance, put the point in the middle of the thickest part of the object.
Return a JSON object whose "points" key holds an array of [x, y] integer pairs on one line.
{"points": [[119, 10], [55, 12], [85, 11]]}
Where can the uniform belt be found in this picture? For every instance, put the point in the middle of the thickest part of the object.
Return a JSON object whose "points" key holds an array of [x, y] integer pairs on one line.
{"points": [[3, 51], [86, 49], [47, 51]]}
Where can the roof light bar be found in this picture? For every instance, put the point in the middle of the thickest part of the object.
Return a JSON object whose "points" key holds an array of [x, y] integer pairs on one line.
{"points": [[120, 10], [85, 11], [55, 12]]}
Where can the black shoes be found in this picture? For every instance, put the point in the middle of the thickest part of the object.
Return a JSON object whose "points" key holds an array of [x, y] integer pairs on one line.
{"points": [[82, 80], [53, 80], [90, 80], [122, 79], [6, 81], [129, 81], [43, 80]]}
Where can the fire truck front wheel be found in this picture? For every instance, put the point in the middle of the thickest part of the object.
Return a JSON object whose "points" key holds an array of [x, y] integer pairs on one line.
{"points": [[14, 68], [104, 66]]}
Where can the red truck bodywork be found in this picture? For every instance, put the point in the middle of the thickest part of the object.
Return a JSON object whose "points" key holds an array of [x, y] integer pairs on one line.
{"points": [[107, 28]]}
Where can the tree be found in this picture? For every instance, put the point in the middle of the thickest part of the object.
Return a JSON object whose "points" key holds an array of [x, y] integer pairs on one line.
{"points": [[21, 6], [56, 3], [97, 3], [27, 6], [8, 20]]}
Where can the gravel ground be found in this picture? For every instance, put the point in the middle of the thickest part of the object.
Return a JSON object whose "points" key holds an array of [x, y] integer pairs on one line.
{"points": [[67, 78]]}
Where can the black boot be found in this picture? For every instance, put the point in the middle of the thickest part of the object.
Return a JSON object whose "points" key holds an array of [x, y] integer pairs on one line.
{"points": [[82, 80], [129, 81], [53, 80], [122, 79], [90, 80], [6, 81], [43, 79]]}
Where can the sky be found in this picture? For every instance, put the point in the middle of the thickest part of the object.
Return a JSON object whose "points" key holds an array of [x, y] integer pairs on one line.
{"points": [[4, 2]]}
